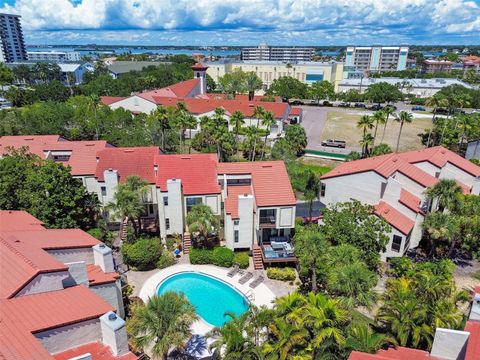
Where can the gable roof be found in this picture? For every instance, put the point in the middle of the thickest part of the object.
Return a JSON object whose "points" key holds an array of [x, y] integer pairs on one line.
{"points": [[127, 161], [17, 220], [231, 202], [394, 217], [107, 100], [26, 315], [270, 182], [409, 200], [178, 90], [198, 172]]}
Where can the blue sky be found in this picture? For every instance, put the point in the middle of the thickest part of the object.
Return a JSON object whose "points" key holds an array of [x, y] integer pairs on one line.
{"points": [[236, 22]]}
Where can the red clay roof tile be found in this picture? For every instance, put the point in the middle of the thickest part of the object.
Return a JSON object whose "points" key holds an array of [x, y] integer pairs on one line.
{"points": [[96, 349], [394, 217], [231, 202], [96, 276]]}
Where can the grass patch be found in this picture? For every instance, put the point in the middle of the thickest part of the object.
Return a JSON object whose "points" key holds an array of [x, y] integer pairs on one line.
{"points": [[476, 275], [343, 126], [317, 169]]}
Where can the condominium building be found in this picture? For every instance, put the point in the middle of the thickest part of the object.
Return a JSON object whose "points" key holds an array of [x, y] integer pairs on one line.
{"points": [[395, 185], [434, 66], [307, 71], [60, 297], [11, 37], [366, 59], [54, 56], [281, 54]]}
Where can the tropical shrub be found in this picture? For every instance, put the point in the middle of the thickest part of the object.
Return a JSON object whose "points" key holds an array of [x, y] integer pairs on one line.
{"points": [[200, 256], [283, 274], [219, 256], [166, 259], [241, 259], [143, 254]]}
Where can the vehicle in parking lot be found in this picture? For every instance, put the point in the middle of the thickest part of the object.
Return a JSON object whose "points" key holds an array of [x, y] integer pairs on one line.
{"points": [[359, 105], [440, 111], [297, 102], [334, 143], [344, 104], [327, 103], [418, 108], [375, 107]]}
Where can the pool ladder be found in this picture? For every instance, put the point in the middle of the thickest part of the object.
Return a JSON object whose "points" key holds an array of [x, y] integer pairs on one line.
{"points": [[250, 296]]}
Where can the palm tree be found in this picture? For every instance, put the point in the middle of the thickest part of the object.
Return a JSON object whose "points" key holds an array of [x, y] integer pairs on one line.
{"points": [[287, 337], [95, 101], [366, 141], [378, 118], [258, 113], [252, 83], [362, 338], [268, 121], [162, 323], [237, 120], [447, 193], [128, 202], [201, 220], [366, 123], [161, 115], [285, 305], [387, 112], [402, 117], [252, 138]]}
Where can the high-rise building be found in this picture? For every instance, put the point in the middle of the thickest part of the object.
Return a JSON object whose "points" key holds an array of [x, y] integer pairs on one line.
{"points": [[11, 37], [283, 54], [375, 58]]}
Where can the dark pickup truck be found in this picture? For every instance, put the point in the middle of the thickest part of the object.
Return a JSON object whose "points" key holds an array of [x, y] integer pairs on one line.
{"points": [[334, 143]]}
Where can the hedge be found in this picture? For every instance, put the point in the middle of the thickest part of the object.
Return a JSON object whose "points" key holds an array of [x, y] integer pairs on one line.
{"points": [[166, 259], [241, 259], [283, 274], [219, 256], [143, 254]]}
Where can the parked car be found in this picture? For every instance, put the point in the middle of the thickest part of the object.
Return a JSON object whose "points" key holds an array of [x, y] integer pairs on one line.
{"points": [[343, 104], [327, 103], [297, 102], [359, 105], [375, 107], [334, 143], [440, 111], [393, 107], [418, 108]]}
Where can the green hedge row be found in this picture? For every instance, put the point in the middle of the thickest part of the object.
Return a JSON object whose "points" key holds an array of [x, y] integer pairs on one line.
{"points": [[143, 254], [219, 256], [284, 274], [241, 259]]}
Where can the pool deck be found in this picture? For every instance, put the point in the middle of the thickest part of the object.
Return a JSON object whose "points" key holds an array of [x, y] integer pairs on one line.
{"points": [[262, 295]]}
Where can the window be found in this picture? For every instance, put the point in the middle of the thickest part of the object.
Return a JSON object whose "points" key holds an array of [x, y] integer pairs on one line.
{"points": [[150, 209], [167, 224], [236, 222], [239, 181], [323, 187], [396, 243], [61, 158], [165, 201], [235, 236], [193, 201], [104, 190]]}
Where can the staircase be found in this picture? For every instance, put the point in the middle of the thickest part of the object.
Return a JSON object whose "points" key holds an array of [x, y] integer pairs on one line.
{"points": [[123, 231], [187, 243], [257, 258]]}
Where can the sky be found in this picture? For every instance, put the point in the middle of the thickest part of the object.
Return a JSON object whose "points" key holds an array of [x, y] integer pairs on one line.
{"points": [[237, 22]]}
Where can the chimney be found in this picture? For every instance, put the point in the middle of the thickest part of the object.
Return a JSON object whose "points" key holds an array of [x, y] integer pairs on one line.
{"points": [[114, 333], [200, 72], [102, 256]]}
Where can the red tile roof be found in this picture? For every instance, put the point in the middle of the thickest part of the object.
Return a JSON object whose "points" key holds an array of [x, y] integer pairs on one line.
{"points": [[394, 217], [179, 90], [231, 202], [270, 181], [107, 100], [400, 353], [96, 276], [242, 97], [198, 172], [296, 111], [439, 156], [96, 349], [14, 220], [199, 66], [82, 158], [473, 345], [410, 200], [23, 316], [127, 161]]}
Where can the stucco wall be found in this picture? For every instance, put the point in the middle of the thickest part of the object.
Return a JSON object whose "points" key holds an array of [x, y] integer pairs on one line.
{"points": [[67, 337], [450, 171], [73, 255], [410, 185], [389, 252], [135, 104], [44, 282], [429, 168], [112, 294]]}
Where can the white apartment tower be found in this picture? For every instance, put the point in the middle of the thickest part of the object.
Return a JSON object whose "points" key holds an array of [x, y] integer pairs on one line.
{"points": [[376, 58], [11, 38]]}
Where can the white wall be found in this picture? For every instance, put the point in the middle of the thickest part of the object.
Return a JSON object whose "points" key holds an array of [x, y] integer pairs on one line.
{"points": [[246, 222], [450, 171], [410, 185], [70, 336], [389, 252], [44, 283], [135, 104], [111, 293], [364, 187], [429, 168]]}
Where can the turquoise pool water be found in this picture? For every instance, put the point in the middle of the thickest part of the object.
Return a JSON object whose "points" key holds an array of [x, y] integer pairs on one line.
{"points": [[211, 297]]}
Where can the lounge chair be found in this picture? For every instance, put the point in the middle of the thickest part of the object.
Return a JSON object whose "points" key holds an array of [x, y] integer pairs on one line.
{"points": [[256, 282], [245, 278], [233, 271]]}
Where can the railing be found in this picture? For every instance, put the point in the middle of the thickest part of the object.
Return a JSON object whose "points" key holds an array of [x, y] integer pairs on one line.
{"points": [[267, 219]]}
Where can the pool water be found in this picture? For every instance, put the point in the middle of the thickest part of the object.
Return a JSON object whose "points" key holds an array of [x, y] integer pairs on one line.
{"points": [[212, 298]]}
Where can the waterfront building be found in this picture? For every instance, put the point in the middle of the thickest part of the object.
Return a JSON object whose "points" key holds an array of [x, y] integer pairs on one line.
{"points": [[366, 59], [11, 39], [281, 54], [54, 56]]}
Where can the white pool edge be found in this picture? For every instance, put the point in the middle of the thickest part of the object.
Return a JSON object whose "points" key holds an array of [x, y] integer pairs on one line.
{"points": [[262, 295]]}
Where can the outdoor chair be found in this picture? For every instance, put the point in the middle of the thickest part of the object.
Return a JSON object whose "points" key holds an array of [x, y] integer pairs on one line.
{"points": [[256, 282], [233, 271], [245, 278]]}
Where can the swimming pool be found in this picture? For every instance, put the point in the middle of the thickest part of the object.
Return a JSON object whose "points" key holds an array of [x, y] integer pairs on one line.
{"points": [[211, 297]]}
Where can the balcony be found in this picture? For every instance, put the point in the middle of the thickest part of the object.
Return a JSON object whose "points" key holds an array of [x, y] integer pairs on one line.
{"points": [[267, 218], [278, 252]]}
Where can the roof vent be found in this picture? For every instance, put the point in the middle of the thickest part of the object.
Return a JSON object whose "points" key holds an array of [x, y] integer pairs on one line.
{"points": [[112, 317], [266, 166], [102, 246], [128, 150], [395, 160], [91, 144], [186, 158]]}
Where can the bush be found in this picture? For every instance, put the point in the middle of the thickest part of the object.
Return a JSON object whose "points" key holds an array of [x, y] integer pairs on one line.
{"points": [[241, 259], [223, 257], [171, 243], [143, 254], [166, 259], [219, 256], [283, 274]]}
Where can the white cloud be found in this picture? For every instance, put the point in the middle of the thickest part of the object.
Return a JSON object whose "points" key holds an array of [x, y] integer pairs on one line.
{"points": [[332, 19]]}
